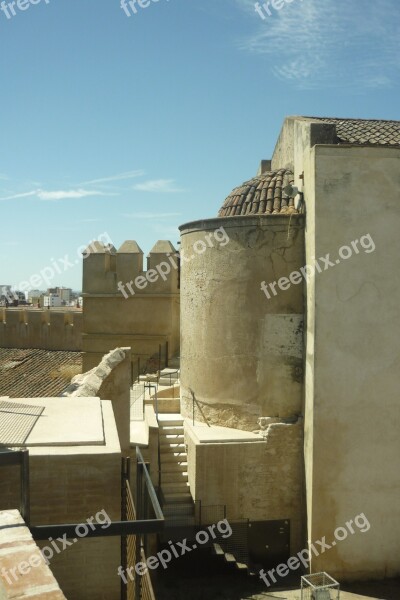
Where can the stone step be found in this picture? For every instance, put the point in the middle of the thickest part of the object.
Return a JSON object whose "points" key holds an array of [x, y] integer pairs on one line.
{"points": [[165, 426], [178, 510], [171, 435], [174, 467], [229, 557], [173, 457], [218, 550], [177, 497], [241, 566], [174, 477], [175, 486], [172, 447]]}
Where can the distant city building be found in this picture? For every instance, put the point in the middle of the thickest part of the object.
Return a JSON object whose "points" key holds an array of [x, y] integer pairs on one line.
{"points": [[52, 301], [10, 297], [34, 296], [65, 295]]}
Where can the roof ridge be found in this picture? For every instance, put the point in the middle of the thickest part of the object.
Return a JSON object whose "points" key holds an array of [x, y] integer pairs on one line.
{"points": [[352, 119]]}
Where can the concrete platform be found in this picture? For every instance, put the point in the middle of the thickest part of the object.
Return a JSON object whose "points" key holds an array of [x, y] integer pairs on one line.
{"points": [[66, 422]]}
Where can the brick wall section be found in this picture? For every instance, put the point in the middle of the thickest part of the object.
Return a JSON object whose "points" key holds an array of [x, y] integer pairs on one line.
{"points": [[34, 579]]}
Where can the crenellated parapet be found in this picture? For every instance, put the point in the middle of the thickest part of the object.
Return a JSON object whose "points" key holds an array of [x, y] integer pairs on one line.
{"points": [[110, 271], [99, 268], [43, 329], [131, 303]]}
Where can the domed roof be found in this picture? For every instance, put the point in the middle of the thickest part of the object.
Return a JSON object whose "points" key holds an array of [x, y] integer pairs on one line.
{"points": [[261, 195]]}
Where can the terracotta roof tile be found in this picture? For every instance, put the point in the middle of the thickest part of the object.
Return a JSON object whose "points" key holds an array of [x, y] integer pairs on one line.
{"points": [[364, 131], [35, 373], [261, 195]]}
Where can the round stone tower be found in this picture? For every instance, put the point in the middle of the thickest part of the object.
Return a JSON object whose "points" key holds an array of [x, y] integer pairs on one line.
{"points": [[241, 312]]}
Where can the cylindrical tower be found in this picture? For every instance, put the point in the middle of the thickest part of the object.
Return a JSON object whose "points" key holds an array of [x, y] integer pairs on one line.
{"points": [[242, 345]]}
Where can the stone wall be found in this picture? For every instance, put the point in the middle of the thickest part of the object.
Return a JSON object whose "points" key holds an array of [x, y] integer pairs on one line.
{"points": [[110, 380], [256, 480], [125, 305], [41, 329]]}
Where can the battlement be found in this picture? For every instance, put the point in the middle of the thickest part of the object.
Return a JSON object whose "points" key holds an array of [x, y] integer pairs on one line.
{"points": [[110, 271], [42, 329]]}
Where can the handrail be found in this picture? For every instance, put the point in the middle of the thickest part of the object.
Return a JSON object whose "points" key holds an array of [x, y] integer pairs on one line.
{"points": [[150, 488], [199, 407], [116, 528]]}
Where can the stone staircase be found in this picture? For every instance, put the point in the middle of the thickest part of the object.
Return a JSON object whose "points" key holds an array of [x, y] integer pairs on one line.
{"points": [[177, 502], [231, 559]]}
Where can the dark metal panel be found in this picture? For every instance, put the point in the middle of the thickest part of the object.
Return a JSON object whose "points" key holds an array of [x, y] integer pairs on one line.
{"points": [[269, 542]]}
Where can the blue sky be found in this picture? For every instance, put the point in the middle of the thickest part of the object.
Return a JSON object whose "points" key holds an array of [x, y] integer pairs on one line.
{"points": [[134, 125]]}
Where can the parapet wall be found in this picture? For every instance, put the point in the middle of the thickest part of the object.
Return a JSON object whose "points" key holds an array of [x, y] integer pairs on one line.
{"points": [[42, 329], [110, 271], [126, 306]]}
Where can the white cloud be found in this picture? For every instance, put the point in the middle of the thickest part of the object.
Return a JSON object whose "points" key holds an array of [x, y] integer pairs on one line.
{"points": [[316, 44], [120, 177], [67, 194], [56, 195], [163, 186]]}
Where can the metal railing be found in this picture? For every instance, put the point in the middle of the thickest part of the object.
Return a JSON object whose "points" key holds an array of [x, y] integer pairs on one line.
{"points": [[141, 587], [194, 400], [21, 458]]}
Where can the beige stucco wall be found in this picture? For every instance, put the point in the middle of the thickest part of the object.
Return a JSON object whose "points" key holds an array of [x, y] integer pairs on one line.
{"points": [[257, 480], [242, 353], [42, 329], [70, 485], [352, 415]]}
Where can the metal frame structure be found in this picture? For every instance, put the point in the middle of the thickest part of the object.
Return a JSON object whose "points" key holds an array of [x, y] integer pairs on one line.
{"points": [[21, 458]]}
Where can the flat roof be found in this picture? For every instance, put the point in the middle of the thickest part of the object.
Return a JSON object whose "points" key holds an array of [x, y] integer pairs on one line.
{"points": [[63, 421]]}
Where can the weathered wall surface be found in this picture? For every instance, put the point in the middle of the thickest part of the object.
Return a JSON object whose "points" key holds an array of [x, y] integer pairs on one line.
{"points": [[242, 353], [41, 329], [110, 380], [255, 480], [352, 409], [127, 306]]}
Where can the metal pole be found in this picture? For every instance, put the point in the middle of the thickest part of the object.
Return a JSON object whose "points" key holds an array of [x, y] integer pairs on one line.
{"points": [[25, 487], [124, 517], [138, 539]]}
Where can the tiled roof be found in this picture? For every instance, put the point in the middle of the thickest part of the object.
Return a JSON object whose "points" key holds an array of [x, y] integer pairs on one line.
{"points": [[364, 131], [261, 195], [35, 373]]}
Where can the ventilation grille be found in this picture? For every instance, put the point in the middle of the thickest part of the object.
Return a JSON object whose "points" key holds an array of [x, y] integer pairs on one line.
{"points": [[16, 422]]}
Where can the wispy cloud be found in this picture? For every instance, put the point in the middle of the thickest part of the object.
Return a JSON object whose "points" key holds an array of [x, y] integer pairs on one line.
{"points": [[163, 186], [143, 215], [3, 177], [113, 178], [166, 230], [56, 194], [334, 43]]}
